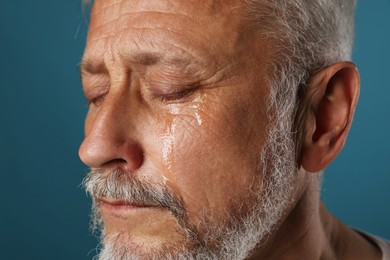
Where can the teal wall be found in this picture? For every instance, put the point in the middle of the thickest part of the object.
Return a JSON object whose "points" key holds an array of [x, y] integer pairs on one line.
{"points": [[357, 184], [43, 210]]}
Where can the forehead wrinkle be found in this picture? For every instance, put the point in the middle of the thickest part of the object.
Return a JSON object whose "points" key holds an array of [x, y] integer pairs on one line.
{"points": [[109, 12], [125, 19], [170, 67], [209, 7], [148, 42], [172, 56], [157, 48]]}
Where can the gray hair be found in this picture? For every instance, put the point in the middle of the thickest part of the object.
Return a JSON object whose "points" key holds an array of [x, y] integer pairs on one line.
{"points": [[307, 35], [310, 34]]}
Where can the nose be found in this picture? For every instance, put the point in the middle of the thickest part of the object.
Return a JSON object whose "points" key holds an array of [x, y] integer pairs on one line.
{"points": [[110, 140]]}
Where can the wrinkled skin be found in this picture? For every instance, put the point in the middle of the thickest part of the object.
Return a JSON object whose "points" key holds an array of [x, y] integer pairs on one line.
{"points": [[177, 98]]}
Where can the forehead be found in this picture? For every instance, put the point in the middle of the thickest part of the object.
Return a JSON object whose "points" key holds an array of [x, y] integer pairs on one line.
{"points": [[106, 10], [188, 28]]}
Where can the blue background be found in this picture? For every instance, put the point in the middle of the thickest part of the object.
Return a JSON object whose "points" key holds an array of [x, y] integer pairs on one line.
{"points": [[43, 210]]}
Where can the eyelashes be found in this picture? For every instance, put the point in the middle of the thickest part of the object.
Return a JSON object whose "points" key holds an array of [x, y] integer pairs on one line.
{"points": [[96, 94], [97, 101], [175, 96]]}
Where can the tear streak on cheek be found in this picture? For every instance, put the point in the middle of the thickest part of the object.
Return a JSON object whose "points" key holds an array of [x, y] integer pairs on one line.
{"points": [[197, 107], [168, 142], [172, 131]]}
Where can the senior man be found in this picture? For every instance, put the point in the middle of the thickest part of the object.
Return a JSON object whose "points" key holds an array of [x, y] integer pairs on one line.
{"points": [[210, 123]]}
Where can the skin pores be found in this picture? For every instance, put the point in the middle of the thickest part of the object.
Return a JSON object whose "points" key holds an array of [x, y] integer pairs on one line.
{"points": [[179, 100]]}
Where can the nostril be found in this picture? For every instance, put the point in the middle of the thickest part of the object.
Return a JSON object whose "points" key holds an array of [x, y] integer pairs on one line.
{"points": [[115, 163], [133, 154]]}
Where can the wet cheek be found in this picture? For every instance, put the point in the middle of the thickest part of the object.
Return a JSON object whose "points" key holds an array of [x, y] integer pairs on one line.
{"points": [[182, 156], [190, 153], [205, 155], [181, 136]]}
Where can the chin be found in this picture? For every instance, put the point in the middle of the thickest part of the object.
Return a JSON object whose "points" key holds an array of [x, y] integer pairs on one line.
{"points": [[125, 246], [156, 235]]}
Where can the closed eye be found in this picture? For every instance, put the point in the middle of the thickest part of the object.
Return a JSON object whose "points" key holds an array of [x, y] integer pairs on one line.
{"points": [[176, 96], [97, 101]]}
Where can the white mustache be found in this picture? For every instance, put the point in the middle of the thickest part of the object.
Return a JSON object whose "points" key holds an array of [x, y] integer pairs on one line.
{"points": [[124, 186]]}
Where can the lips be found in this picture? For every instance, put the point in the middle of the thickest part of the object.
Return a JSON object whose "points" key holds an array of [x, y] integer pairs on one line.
{"points": [[119, 206]]}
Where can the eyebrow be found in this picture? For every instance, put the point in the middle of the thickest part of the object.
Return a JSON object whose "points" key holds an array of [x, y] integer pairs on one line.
{"points": [[145, 58], [91, 66], [153, 58], [94, 66]]}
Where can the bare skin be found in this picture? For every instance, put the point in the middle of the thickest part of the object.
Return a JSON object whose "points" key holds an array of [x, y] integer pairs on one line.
{"points": [[177, 98]]}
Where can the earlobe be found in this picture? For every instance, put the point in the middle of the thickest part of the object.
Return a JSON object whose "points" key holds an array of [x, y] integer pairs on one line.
{"points": [[330, 104]]}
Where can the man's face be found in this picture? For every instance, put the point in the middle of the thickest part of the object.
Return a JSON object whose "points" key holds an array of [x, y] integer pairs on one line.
{"points": [[178, 105]]}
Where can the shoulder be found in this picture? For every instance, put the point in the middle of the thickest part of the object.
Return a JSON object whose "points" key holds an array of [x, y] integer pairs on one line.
{"points": [[383, 244]]}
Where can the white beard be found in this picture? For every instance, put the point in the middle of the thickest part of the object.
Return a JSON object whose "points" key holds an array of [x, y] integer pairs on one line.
{"points": [[243, 233]]}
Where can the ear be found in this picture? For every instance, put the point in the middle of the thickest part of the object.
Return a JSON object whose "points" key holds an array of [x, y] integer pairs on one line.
{"points": [[330, 102]]}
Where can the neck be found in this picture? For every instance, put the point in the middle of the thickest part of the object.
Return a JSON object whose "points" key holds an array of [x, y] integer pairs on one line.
{"points": [[309, 231]]}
